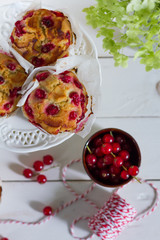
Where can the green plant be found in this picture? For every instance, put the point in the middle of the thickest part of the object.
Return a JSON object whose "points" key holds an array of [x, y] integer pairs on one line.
{"points": [[138, 25]]}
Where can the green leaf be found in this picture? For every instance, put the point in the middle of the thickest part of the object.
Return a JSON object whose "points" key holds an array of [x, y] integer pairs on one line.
{"points": [[128, 23]]}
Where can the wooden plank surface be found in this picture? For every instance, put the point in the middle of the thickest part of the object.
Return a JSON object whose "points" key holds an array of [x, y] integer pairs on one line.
{"points": [[25, 201]]}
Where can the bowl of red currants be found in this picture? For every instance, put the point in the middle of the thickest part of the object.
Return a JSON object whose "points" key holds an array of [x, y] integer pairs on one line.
{"points": [[111, 157]]}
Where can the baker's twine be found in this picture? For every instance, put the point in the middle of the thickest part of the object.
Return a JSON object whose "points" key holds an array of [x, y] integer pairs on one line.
{"points": [[109, 221]]}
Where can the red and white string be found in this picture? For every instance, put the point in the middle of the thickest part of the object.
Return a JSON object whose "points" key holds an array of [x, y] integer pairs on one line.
{"points": [[109, 221]]}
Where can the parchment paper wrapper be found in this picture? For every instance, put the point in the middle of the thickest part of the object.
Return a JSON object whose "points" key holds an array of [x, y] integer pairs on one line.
{"points": [[88, 73]]}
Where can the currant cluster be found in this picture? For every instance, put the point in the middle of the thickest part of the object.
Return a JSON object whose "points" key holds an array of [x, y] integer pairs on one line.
{"points": [[110, 158], [38, 167]]}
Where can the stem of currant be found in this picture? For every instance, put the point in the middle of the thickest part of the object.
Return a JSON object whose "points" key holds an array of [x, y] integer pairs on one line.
{"points": [[89, 150]]}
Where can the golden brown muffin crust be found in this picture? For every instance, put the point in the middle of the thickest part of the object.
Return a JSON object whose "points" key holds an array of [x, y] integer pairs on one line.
{"points": [[58, 104], [42, 36]]}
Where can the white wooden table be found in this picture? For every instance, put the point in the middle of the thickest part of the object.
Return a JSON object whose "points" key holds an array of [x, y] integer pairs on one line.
{"points": [[129, 101]]}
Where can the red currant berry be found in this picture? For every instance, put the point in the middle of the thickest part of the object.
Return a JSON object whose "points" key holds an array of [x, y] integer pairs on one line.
{"points": [[38, 165], [114, 170], [126, 147], [133, 170], [118, 162], [42, 76], [100, 163], [52, 109], [41, 179], [95, 173], [124, 175], [108, 159], [48, 159], [91, 159], [47, 21], [98, 152], [104, 174], [11, 66], [39, 93], [37, 62], [124, 154], [106, 148], [114, 178], [97, 142], [116, 147], [1, 80], [28, 173], [78, 84], [107, 138], [120, 139], [47, 211], [73, 115], [47, 47], [4, 238], [127, 164]]}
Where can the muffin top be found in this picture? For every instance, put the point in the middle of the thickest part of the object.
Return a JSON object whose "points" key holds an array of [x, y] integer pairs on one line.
{"points": [[58, 104], [12, 77], [42, 36]]}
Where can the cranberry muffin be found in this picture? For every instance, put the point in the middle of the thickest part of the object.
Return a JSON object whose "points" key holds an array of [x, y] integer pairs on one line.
{"points": [[42, 36], [58, 104], [12, 77]]}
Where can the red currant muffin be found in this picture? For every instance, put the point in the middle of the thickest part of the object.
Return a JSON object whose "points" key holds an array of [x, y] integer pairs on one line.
{"points": [[12, 77], [58, 104], [42, 36]]}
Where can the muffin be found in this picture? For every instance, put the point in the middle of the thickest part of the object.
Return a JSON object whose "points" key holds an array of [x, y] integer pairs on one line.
{"points": [[58, 104], [42, 36], [12, 77]]}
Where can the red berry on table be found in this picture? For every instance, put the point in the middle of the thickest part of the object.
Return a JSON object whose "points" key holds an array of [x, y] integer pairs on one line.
{"points": [[98, 152], [28, 173], [91, 159], [41, 179], [104, 174], [106, 148], [124, 175], [38, 165], [97, 142], [107, 138], [116, 147], [133, 170], [124, 154], [118, 161], [114, 170], [48, 159], [108, 159], [47, 211]]}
